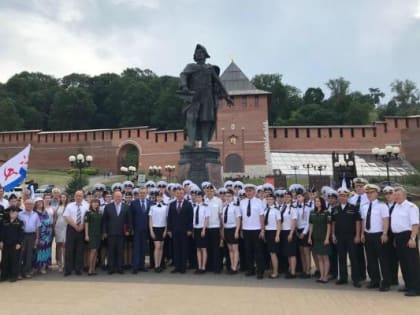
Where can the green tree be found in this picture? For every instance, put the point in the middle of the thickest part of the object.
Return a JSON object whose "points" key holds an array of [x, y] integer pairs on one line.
{"points": [[9, 117], [73, 108]]}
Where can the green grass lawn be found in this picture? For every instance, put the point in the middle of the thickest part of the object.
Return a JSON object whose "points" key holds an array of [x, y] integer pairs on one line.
{"points": [[58, 178]]}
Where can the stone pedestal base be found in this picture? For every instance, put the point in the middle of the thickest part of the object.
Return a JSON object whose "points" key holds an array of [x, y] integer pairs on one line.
{"points": [[199, 165]]}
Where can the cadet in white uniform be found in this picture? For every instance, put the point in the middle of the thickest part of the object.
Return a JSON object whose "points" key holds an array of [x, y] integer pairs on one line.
{"points": [[214, 230], [288, 238], [158, 215], [375, 216], [303, 213], [201, 216], [253, 230], [272, 221], [405, 227], [231, 229]]}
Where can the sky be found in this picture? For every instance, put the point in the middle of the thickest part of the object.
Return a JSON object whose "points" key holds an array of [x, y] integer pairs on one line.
{"points": [[368, 42]]}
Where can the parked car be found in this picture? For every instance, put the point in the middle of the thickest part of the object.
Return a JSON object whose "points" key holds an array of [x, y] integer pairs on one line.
{"points": [[17, 191], [44, 189]]}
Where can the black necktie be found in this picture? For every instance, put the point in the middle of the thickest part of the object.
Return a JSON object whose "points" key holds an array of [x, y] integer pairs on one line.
{"points": [[368, 216], [178, 208], [359, 199], [390, 212], [226, 214], [266, 216], [159, 205], [196, 215], [248, 209], [283, 210]]}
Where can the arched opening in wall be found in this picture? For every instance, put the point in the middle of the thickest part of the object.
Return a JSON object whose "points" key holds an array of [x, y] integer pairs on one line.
{"points": [[233, 164], [128, 155]]}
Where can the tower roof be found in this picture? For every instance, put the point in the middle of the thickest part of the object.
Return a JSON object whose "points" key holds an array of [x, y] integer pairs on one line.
{"points": [[237, 83]]}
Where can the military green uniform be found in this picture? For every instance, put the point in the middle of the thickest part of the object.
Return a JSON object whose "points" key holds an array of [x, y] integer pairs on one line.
{"points": [[94, 221], [320, 221]]}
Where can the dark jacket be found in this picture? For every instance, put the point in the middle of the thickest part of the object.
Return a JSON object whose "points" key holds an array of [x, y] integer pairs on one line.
{"points": [[140, 215], [182, 220], [116, 225], [11, 233]]}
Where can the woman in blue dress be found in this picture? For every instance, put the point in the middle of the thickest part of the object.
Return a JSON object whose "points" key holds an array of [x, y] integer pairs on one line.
{"points": [[42, 254]]}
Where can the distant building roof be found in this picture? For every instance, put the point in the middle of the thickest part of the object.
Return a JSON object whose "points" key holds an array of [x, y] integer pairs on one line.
{"points": [[237, 83]]}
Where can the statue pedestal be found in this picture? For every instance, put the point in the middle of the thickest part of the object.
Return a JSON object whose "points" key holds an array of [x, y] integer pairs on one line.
{"points": [[199, 165]]}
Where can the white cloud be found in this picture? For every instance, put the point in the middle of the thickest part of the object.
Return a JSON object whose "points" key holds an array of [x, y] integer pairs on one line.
{"points": [[49, 46]]}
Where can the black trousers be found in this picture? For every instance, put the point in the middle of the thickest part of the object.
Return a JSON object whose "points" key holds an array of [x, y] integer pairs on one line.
{"points": [[26, 253], [74, 250], [334, 260], [377, 256], [115, 252], [10, 262], [393, 260], [361, 259], [180, 250], [346, 246], [409, 260], [192, 253], [213, 249], [242, 255], [254, 248], [139, 248]]}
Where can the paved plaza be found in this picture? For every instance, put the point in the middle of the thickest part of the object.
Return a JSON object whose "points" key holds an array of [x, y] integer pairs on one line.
{"points": [[150, 293]]}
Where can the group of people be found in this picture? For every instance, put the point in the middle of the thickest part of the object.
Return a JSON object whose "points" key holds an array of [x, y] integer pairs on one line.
{"points": [[240, 227]]}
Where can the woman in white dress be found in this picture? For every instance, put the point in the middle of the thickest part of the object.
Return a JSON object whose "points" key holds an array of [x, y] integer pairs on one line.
{"points": [[60, 227]]}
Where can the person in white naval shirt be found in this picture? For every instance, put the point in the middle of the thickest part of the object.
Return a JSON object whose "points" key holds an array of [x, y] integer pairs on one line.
{"points": [[214, 230], [74, 215], [288, 238], [158, 216], [388, 193], [272, 222], [405, 227], [359, 199], [303, 213], [231, 229], [375, 216], [201, 217], [253, 230]]}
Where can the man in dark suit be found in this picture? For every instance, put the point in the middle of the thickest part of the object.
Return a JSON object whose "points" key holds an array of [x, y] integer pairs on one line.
{"points": [[116, 224], [139, 209], [180, 226]]}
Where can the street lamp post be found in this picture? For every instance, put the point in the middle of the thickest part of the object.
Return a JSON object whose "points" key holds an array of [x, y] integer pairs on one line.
{"points": [[386, 155], [80, 161], [155, 170], [128, 171], [308, 166], [169, 169], [294, 168], [320, 168]]}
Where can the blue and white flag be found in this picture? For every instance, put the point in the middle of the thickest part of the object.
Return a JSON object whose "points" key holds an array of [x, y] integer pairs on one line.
{"points": [[13, 172]]}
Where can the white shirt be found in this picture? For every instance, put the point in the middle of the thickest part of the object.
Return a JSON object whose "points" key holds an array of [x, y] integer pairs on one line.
{"points": [[159, 215], [303, 218], [215, 210], [378, 213], [202, 213], [4, 203], [251, 222], [404, 216], [363, 199], [273, 218], [289, 214], [233, 213], [71, 211]]}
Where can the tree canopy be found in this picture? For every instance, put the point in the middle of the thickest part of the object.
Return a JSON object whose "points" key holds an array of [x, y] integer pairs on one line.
{"points": [[136, 97]]}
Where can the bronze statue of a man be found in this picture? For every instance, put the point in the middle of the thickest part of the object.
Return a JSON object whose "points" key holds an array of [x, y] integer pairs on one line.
{"points": [[201, 89]]}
